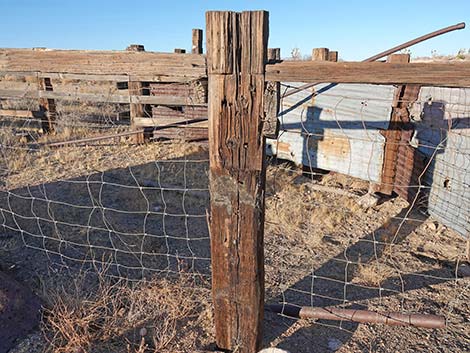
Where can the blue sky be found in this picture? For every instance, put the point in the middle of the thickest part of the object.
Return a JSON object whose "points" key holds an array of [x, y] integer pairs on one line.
{"points": [[357, 29]]}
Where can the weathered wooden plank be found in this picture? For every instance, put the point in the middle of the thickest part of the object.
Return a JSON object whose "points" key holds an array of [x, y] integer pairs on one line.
{"points": [[333, 56], [236, 52], [115, 98], [84, 77], [20, 113], [197, 41], [136, 88], [188, 134], [274, 55], [102, 77], [168, 122], [272, 99], [432, 74], [168, 100], [104, 98], [17, 93], [166, 66], [320, 54]]}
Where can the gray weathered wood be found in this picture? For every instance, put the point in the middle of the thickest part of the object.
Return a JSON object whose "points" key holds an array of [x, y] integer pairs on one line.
{"points": [[20, 113], [167, 67], [272, 99], [236, 55], [159, 122]]}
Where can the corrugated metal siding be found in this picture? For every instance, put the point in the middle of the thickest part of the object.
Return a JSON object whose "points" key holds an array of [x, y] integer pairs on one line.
{"points": [[336, 130], [442, 123]]}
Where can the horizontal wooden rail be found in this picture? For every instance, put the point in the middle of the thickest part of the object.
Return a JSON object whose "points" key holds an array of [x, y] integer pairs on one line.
{"points": [[170, 122], [84, 77], [430, 74], [104, 98], [20, 113], [89, 139], [163, 67]]}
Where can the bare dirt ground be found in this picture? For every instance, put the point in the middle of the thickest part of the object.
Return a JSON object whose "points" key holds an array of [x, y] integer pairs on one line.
{"points": [[322, 249]]}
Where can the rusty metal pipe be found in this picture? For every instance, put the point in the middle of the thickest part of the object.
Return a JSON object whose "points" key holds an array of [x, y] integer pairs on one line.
{"points": [[362, 316], [378, 56]]}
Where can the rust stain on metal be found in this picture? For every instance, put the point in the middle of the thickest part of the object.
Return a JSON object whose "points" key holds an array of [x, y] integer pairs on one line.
{"points": [[334, 147], [283, 147]]}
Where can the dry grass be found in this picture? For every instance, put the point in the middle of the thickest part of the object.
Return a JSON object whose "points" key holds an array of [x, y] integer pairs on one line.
{"points": [[106, 315], [293, 208], [372, 274]]}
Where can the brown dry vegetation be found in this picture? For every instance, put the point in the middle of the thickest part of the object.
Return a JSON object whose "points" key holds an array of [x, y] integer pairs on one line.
{"points": [[164, 315]]}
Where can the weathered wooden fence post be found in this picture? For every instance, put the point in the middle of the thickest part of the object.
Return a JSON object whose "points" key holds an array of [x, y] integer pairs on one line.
{"points": [[333, 55], [236, 57], [272, 99], [47, 107], [135, 89], [320, 54], [197, 41]]}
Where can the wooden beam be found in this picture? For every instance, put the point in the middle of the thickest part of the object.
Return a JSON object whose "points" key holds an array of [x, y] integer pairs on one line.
{"points": [[197, 41], [106, 98], [123, 99], [18, 93], [320, 54], [167, 67], [333, 56], [20, 113], [432, 74], [236, 56], [272, 99], [84, 77], [136, 88], [169, 122], [135, 47], [47, 106], [274, 55]]}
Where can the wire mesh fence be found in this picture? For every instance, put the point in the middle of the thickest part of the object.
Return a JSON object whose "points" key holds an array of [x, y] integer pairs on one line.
{"points": [[141, 209], [341, 245], [330, 242]]}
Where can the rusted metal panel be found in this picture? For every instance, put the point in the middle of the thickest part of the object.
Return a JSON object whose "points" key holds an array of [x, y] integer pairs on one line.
{"points": [[442, 122], [337, 129]]}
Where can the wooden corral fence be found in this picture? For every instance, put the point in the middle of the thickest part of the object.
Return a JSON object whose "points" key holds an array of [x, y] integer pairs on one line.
{"points": [[238, 79], [164, 91]]}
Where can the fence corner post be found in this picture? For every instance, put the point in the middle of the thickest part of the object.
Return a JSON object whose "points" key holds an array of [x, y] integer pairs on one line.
{"points": [[196, 41], [47, 106], [236, 58]]}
